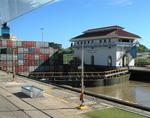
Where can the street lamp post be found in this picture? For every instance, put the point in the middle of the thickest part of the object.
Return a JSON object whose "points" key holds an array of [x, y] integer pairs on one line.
{"points": [[82, 77], [42, 29]]}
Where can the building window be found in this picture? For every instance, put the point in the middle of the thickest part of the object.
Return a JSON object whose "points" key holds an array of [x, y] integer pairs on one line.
{"points": [[92, 41], [88, 42], [104, 40], [109, 40], [92, 60], [77, 42], [81, 42], [100, 41], [109, 61], [84, 42]]}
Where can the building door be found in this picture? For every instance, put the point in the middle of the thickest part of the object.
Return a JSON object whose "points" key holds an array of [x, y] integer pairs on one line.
{"points": [[92, 60], [125, 60]]}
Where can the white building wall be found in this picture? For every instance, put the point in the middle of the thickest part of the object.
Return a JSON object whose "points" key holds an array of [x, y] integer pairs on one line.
{"points": [[119, 57], [101, 57], [131, 63], [100, 54]]}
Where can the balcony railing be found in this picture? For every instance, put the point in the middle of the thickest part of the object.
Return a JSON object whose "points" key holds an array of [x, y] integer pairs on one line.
{"points": [[126, 44]]}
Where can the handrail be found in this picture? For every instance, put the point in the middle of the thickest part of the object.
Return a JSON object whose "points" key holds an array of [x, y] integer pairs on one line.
{"points": [[78, 74]]}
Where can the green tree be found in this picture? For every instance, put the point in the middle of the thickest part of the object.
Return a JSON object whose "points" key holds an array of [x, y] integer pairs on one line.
{"points": [[142, 48]]}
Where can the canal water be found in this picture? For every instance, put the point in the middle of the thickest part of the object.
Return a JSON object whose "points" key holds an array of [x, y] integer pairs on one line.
{"points": [[132, 91]]}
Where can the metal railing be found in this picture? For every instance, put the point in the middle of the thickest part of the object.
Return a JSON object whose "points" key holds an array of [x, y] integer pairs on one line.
{"points": [[105, 44], [95, 75]]}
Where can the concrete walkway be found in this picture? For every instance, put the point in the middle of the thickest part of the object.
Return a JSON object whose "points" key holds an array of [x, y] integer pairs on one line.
{"points": [[56, 103]]}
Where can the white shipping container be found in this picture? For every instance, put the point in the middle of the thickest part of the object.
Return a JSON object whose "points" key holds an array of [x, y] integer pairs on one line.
{"points": [[4, 43], [20, 50], [46, 44], [3, 57], [38, 44], [14, 43], [15, 57], [25, 50], [19, 43], [42, 44], [42, 50], [9, 57], [36, 57], [31, 68], [20, 62], [46, 51]]}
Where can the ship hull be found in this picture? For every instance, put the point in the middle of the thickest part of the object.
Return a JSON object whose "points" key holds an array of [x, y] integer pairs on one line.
{"points": [[91, 82]]}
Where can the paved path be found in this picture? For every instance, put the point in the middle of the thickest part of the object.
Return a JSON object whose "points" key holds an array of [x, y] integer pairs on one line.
{"points": [[9, 110], [56, 103]]}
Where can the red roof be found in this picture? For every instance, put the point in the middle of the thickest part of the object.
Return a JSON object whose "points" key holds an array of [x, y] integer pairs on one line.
{"points": [[107, 31], [103, 29]]}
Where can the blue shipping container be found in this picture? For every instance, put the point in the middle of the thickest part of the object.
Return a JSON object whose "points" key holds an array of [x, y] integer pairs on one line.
{"points": [[41, 62], [31, 50], [20, 56]]}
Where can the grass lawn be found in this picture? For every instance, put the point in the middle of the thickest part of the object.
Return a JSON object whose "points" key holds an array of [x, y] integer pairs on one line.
{"points": [[112, 113]]}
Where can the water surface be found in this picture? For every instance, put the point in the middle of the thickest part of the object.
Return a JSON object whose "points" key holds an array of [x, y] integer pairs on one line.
{"points": [[136, 92]]}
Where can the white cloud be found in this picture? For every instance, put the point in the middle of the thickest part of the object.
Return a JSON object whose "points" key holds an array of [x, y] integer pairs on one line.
{"points": [[122, 2]]}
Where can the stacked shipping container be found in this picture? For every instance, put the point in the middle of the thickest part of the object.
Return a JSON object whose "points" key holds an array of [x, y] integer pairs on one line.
{"points": [[27, 57]]}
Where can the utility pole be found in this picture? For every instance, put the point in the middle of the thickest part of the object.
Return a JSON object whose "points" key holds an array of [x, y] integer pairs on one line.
{"points": [[82, 76], [82, 106], [13, 64]]}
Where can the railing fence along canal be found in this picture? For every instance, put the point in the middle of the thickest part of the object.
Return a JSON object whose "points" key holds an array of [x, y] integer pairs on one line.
{"points": [[75, 75]]}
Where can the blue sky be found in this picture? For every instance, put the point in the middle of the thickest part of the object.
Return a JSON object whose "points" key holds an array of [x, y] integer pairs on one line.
{"points": [[67, 18]]}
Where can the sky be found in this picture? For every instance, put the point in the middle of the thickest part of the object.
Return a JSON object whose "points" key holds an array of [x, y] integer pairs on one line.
{"points": [[66, 19]]}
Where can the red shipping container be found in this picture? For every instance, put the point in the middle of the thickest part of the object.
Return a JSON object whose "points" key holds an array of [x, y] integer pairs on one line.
{"points": [[9, 43], [41, 57], [26, 62], [33, 63], [33, 44], [28, 43], [37, 50], [31, 57], [26, 56], [3, 63], [46, 57], [21, 69], [16, 50]]}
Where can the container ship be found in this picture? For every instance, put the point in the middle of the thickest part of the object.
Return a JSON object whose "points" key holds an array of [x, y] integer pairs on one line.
{"points": [[26, 56]]}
